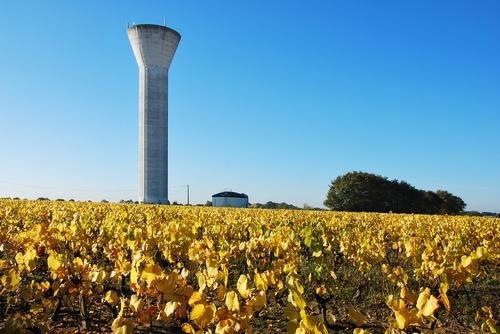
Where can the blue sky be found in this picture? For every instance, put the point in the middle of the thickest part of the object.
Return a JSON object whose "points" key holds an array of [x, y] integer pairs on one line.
{"points": [[271, 98]]}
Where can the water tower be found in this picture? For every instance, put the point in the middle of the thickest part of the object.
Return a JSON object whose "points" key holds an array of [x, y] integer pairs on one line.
{"points": [[154, 47]]}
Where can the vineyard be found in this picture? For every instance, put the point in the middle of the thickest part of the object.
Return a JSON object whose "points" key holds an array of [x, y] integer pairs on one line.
{"points": [[69, 267]]}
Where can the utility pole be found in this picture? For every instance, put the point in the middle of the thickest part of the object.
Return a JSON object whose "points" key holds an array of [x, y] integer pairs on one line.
{"points": [[188, 194]]}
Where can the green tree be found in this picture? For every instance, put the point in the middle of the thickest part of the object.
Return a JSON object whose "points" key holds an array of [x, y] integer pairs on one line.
{"points": [[359, 191], [451, 204]]}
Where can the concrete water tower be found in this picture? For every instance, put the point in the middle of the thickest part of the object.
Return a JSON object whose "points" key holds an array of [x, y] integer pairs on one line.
{"points": [[154, 47]]}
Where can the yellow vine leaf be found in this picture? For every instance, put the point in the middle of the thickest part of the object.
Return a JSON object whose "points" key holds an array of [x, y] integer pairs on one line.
{"points": [[136, 303], [259, 301], [99, 276], [487, 310], [123, 267], [427, 303], [187, 328], [312, 324], [4, 264], [269, 278], [296, 300], [111, 297], [150, 273], [29, 259], [134, 275], [78, 263], [443, 297], [242, 286], [11, 280], [260, 282], [356, 317], [53, 263], [232, 301], [292, 326], [489, 325], [402, 315], [122, 325], [201, 280], [203, 315], [408, 296], [20, 261], [403, 318], [195, 298], [212, 267], [165, 284], [321, 290], [224, 327], [197, 312], [466, 261], [170, 308], [225, 275], [221, 292]]}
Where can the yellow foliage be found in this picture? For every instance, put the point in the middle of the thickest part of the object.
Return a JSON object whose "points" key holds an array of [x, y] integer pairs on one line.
{"points": [[122, 325], [170, 308], [178, 260], [136, 303], [201, 281], [232, 301], [427, 304], [242, 286], [11, 280], [361, 331], [196, 298], [53, 263], [259, 301], [150, 273], [408, 296], [443, 297], [203, 314], [356, 317], [111, 297], [212, 267], [260, 282], [224, 327]]}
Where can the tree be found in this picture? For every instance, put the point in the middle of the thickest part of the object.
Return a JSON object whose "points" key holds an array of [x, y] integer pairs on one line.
{"points": [[275, 205], [430, 202], [450, 204], [359, 191]]}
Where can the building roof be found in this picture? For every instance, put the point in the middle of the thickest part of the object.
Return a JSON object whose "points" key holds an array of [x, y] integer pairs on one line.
{"points": [[230, 194]]}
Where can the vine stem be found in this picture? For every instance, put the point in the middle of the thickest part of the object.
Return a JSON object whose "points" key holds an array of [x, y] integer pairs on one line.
{"points": [[84, 312]]}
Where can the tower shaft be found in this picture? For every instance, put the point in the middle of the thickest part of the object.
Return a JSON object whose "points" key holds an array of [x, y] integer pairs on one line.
{"points": [[153, 134]]}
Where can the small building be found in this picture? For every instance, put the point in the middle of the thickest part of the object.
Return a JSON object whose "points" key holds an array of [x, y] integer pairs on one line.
{"points": [[230, 199]]}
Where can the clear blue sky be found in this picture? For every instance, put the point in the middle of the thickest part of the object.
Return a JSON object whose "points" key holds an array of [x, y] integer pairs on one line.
{"points": [[271, 98]]}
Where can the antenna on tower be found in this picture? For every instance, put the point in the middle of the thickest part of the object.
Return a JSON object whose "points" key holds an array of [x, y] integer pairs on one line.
{"points": [[164, 22]]}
